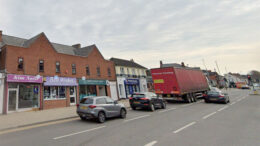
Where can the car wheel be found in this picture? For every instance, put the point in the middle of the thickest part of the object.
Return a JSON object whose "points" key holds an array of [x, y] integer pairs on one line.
{"points": [[83, 118], [206, 101], [163, 105], [152, 107], [101, 117], [122, 113]]}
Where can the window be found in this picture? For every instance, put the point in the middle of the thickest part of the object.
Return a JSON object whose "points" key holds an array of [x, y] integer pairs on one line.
{"points": [[20, 63], [122, 70], [87, 101], [109, 72], [109, 100], [133, 71], [41, 66], [73, 69], [57, 67], [143, 72], [120, 89], [128, 71], [54, 92], [98, 71], [87, 70], [101, 101]]}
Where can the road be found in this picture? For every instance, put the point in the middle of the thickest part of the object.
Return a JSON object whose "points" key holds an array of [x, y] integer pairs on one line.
{"points": [[197, 124]]}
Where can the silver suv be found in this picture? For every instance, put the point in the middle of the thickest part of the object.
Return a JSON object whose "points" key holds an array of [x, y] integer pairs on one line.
{"points": [[100, 108]]}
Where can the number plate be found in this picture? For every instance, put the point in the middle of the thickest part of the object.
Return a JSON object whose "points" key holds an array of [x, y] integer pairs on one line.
{"points": [[83, 107], [136, 102]]}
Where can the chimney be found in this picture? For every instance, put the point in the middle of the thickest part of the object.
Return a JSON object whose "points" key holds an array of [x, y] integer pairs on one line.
{"points": [[161, 64], [182, 64], [76, 46], [0, 35]]}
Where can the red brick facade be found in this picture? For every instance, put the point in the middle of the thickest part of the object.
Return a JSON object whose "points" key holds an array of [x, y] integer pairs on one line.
{"points": [[42, 49]]}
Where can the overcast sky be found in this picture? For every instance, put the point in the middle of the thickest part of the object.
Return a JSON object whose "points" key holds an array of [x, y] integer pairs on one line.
{"points": [[226, 31]]}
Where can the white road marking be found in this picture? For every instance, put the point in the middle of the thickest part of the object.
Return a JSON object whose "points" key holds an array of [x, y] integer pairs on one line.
{"points": [[151, 143], [186, 105], [239, 100], [233, 103], [205, 117], [167, 110], [186, 126], [79, 132], [137, 118], [223, 108]]}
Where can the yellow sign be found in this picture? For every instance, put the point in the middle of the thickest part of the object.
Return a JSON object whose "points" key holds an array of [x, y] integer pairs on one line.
{"points": [[158, 81]]}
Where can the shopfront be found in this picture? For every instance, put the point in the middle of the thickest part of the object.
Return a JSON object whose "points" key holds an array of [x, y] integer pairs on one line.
{"points": [[59, 91], [92, 88], [131, 86], [23, 92]]}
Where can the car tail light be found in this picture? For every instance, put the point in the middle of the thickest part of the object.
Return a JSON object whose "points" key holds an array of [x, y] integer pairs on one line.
{"points": [[92, 106], [130, 98], [144, 98], [77, 105], [221, 96], [204, 95]]}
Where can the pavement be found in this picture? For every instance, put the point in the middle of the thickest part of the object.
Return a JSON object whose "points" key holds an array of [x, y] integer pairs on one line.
{"points": [[28, 118], [197, 124]]}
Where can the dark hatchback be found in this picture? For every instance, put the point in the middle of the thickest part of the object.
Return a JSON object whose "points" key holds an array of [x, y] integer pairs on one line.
{"points": [[216, 95], [146, 100]]}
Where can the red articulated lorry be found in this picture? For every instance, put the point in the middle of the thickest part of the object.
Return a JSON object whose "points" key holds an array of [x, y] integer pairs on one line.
{"points": [[179, 83]]}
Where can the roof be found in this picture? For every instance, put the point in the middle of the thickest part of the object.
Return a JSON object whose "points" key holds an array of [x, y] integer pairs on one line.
{"points": [[60, 48], [171, 65], [127, 63]]}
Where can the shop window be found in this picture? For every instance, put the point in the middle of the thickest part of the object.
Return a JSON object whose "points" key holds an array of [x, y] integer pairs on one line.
{"points": [[87, 90], [54, 92], [98, 71], [41, 66], [109, 72], [87, 70], [20, 63], [57, 67], [73, 69], [28, 96]]}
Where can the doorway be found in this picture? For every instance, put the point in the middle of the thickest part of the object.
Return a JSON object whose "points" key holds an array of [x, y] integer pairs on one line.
{"points": [[73, 95], [12, 100]]}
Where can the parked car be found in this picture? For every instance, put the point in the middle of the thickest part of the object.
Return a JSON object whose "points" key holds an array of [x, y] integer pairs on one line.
{"points": [[147, 100], [216, 95], [100, 108]]}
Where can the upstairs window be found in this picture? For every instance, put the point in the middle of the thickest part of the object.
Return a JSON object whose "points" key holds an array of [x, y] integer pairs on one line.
{"points": [[98, 71], [109, 72], [57, 67], [133, 71], [73, 69], [41, 66], [122, 70], [20, 63], [87, 70]]}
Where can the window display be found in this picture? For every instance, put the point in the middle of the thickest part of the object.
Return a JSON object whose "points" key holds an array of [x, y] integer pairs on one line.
{"points": [[54, 92]]}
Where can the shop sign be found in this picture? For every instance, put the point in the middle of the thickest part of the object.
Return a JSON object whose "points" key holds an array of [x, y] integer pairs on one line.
{"points": [[132, 81], [24, 78], [92, 82], [60, 81]]}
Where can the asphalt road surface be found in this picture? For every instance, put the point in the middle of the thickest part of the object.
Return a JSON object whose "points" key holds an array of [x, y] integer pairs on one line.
{"points": [[180, 124]]}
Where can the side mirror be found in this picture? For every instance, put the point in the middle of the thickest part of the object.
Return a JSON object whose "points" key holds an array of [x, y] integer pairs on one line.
{"points": [[115, 102]]}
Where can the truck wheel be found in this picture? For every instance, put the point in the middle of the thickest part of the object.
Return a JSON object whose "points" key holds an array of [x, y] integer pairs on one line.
{"points": [[195, 98], [163, 105], [188, 99]]}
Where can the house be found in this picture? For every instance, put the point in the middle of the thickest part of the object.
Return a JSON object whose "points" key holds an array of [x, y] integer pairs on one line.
{"points": [[41, 74], [131, 77]]}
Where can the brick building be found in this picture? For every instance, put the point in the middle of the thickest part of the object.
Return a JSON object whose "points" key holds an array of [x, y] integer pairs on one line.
{"points": [[41, 74]]}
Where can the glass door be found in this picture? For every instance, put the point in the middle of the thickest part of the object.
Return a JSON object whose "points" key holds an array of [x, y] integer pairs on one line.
{"points": [[12, 100], [72, 95]]}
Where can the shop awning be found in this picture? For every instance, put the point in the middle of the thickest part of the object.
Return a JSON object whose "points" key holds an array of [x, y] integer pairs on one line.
{"points": [[92, 82], [60, 81]]}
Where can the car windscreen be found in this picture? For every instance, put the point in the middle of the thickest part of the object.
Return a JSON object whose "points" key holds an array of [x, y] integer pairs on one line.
{"points": [[87, 101], [213, 93], [138, 95]]}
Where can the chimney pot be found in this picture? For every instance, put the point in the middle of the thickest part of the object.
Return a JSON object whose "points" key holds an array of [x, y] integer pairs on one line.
{"points": [[77, 46]]}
